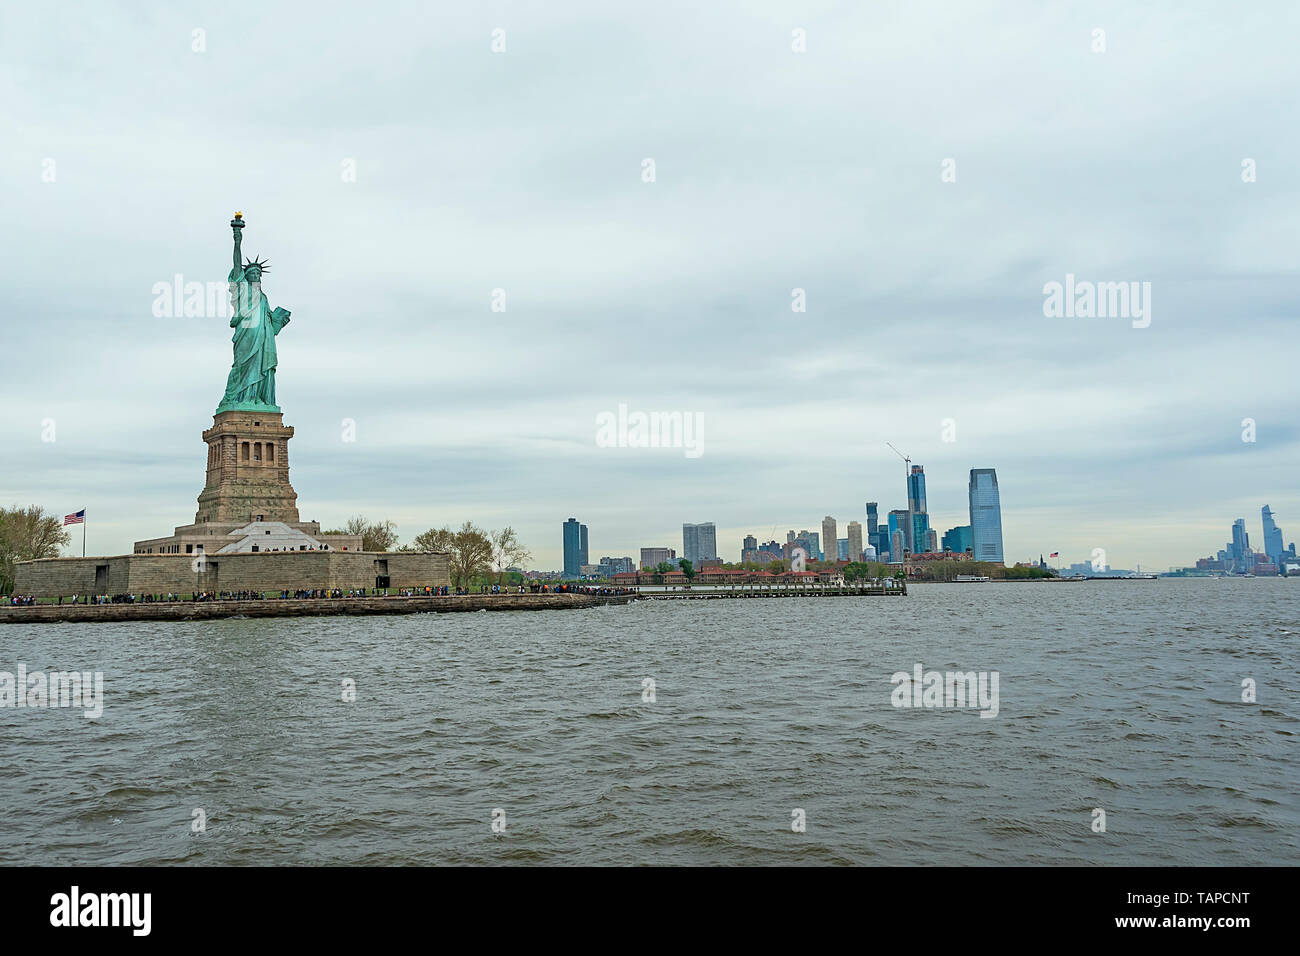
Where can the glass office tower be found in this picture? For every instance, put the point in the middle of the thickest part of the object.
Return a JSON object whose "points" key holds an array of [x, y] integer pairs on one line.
{"points": [[575, 547], [985, 515], [916, 489]]}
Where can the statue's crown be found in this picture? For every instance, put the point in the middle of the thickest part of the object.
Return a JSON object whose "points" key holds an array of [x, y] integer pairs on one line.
{"points": [[259, 263]]}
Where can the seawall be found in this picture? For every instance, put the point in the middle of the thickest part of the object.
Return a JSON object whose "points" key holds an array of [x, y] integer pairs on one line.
{"points": [[300, 607]]}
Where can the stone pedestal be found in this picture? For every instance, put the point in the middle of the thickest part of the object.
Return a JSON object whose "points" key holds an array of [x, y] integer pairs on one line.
{"points": [[248, 470]]}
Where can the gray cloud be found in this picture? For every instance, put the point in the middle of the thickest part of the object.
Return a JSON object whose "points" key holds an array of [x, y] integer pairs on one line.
{"points": [[774, 171]]}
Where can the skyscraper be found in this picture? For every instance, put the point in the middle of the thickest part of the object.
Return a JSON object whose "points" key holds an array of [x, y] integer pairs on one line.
{"points": [[653, 557], [855, 541], [920, 532], [877, 534], [1240, 547], [575, 547], [985, 515], [1272, 536], [957, 539], [750, 543], [699, 542], [829, 538], [916, 489]]}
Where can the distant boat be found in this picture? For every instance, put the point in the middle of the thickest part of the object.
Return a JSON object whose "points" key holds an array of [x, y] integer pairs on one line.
{"points": [[971, 578]]}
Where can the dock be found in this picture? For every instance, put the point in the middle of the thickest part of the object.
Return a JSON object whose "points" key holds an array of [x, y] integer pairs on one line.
{"points": [[890, 588]]}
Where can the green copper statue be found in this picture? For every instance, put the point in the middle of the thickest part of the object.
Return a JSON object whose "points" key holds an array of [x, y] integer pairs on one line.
{"points": [[251, 385]]}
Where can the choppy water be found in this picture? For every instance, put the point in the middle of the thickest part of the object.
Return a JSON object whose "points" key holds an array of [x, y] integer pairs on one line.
{"points": [[1124, 696]]}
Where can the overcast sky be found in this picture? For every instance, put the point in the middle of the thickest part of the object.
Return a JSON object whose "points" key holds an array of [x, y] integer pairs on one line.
{"points": [[774, 170]]}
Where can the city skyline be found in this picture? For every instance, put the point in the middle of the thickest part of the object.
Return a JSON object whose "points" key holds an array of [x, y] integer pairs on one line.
{"points": [[983, 493]]}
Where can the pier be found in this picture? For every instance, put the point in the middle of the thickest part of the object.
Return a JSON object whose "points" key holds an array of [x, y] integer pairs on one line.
{"points": [[882, 588]]}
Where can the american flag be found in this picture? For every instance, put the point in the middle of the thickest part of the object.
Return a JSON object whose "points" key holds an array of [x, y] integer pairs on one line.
{"points": [[1055, 554], [78, 518]]}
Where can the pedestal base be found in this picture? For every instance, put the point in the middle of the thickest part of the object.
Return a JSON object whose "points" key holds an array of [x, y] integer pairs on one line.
{"points": [[248, 469]]}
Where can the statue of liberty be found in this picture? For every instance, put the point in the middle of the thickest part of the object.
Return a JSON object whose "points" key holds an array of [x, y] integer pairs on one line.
{"points": [[251, 385]]}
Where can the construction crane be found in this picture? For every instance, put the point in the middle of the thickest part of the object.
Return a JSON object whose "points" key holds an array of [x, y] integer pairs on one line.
{"points": [[907, 461], [907, 477]]}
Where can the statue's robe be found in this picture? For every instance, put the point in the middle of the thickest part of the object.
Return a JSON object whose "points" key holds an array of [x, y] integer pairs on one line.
{"points": [[256, 324]]}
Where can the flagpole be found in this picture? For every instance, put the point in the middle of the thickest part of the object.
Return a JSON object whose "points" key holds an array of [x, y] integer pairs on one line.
{"points": [[83, 536]]}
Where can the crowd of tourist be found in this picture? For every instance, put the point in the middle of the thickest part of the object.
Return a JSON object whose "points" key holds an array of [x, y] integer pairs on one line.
{"points": [[583, 589], [534, 587]]}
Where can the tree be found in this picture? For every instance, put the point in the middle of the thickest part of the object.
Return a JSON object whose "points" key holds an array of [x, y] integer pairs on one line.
{"points": [[660, 569], [777, 566], [507, 550], [25, 535], [471, 554], [375, 535], [688, 570], [439, 539], [469, 551]]}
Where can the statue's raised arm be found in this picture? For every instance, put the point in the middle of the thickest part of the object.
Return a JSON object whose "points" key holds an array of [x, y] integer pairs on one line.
{"points": [[237, 226]]}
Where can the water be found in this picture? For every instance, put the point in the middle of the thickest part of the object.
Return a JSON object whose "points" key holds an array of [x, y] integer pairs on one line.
{"points": [[1119, 695]]}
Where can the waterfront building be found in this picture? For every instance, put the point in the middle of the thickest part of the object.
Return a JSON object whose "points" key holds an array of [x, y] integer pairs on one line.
{"points": [[916, 489], [877, 534], [699, 542], [810, 541], [854, 542], [899, 523], [920, 532], [575, 547], [1240, 546], [1272, 536], [652, 557], [985, 515], [765, 553], [612, 566], [829, 535], [957, 539]]}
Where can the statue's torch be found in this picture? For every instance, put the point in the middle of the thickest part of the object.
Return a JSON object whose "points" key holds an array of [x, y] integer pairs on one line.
{"points": [[237, 223]]}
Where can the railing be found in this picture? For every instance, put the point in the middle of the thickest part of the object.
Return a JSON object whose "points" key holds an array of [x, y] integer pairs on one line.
{"points": [[875, 586]]}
